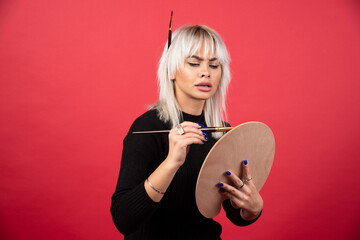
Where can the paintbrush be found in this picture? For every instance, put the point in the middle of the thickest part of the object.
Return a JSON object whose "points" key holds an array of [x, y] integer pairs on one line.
{"points": [[170, 30], [205, 129]]}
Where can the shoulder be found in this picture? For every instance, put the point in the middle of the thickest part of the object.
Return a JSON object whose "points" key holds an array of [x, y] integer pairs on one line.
{"points": [[145, 146]]}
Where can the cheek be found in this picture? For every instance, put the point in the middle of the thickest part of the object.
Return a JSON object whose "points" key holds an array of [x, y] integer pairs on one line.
{"points": [[185, 76], [217, 78]]}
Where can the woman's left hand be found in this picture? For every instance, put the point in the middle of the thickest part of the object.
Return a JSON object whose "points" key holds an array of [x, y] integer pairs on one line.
{"points": [[243, 193]]}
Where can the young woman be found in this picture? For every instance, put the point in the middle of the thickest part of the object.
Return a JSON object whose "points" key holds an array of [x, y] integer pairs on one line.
{"points": [[155, 193]]}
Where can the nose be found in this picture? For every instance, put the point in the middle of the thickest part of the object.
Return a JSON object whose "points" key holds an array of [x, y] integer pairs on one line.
{"points": [[205, 73]]}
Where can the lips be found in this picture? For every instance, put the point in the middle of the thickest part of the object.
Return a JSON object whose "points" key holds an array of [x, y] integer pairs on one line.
{"points": [[204, 86]]}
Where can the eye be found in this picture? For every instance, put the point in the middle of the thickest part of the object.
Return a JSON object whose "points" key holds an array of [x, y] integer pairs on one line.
{"points": [[193, 64], [214, 66]]}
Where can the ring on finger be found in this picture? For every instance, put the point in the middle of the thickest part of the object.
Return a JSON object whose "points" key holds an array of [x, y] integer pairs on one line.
{"points": [[248, 179], [242, 185], [180, 129]]}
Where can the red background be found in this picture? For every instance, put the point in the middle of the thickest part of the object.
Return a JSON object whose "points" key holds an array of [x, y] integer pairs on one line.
{"points": [[75, 74]]}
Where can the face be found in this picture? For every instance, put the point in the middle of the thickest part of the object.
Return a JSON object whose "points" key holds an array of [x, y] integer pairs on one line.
{"points": [[199, 79]]}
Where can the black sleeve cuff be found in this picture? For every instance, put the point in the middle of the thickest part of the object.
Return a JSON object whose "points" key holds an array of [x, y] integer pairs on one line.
{"points": [[234, 215]]}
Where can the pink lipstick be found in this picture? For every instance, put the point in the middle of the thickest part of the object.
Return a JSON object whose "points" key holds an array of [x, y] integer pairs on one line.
{"points": [[204, 86]]}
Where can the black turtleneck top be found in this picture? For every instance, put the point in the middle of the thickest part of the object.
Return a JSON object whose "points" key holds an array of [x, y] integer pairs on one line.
{"points": [[176, 216]]}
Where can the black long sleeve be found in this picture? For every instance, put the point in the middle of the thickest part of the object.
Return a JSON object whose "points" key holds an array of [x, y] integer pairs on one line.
{"points": [[176, 216], [131, 205]]}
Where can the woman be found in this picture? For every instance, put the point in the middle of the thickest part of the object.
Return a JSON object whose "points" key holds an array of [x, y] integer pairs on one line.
{"points": [[155, 193]]}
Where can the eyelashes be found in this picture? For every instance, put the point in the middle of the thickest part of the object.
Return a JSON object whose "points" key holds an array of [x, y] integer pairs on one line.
{"points": [[213, 66], [194, 64]]}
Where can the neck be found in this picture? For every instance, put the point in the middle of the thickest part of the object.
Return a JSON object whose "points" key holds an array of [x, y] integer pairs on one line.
{"points": [[192, 107]]}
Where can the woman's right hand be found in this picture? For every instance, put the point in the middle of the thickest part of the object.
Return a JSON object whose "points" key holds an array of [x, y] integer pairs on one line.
{"points": [[179, 144]]}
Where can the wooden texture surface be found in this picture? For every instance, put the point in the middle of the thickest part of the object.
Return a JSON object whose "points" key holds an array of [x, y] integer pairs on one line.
{"points": [[253, 141]]}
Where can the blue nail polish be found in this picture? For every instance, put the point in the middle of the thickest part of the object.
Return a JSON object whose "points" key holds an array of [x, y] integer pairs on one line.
{"points": [[220, 184], [206, 138], [204, 133], [200, 125], [228, 173], [245, 162], [221, 190]]}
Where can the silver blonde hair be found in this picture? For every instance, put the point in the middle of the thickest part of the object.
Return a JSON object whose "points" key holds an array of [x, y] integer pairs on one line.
{"points": [[186, 41]]}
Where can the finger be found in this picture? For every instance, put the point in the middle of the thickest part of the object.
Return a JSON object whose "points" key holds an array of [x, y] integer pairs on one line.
{"points": [[190, 129], [194, 135], [176, 138], [174, 134], [194, 128], [230, 190], [188, 141], [235, 202], [246, 176], [237, 182], [236, 197]]}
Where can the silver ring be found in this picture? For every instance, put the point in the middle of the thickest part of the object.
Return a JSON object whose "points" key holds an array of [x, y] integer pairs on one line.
{"points": [[247, 180], [241, 185], [180, 129]]}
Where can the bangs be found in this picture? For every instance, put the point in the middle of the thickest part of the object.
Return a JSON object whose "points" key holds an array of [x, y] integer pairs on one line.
{"points": [[197, 40], [187, 42]]}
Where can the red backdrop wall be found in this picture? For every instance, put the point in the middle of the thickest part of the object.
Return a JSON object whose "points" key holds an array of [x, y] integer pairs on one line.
{"points": [[75, 74]]}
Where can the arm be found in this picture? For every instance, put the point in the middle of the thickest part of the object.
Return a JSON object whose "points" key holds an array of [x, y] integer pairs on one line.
{"points": [[178, 149], [131, 205], [134, 200]]}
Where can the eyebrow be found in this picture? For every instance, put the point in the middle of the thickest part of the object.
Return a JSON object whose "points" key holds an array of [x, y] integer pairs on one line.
{"points": [[201, 59]]}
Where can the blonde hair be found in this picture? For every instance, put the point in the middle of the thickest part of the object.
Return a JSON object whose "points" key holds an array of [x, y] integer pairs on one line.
{"points": [[186, 41]]}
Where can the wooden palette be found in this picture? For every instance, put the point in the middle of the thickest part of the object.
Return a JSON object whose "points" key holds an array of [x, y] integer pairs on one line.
{"points": [[253, 141]]}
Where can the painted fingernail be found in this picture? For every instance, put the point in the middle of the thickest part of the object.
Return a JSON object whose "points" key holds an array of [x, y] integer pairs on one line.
{"points": [[245, 162], [200, 125], [228, 173], [203, 141], [206, 138], [221, 190], [204, 133], [220, 184]]}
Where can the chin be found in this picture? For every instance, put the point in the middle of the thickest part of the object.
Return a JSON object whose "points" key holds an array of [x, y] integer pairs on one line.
{"points": [[205, 97]]}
